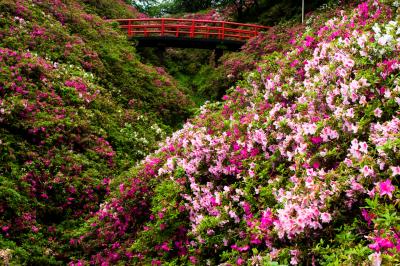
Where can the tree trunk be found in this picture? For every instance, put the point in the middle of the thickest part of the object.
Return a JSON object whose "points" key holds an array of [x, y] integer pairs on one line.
{"points": [[239, 6], [256, 4]]}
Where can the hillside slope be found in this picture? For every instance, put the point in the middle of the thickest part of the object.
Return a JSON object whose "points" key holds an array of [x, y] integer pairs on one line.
{"points": [[298, 165], [77, 108]]}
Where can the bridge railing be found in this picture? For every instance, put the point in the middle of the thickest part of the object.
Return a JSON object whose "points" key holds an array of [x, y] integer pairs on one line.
{"points": [[189, 28]]}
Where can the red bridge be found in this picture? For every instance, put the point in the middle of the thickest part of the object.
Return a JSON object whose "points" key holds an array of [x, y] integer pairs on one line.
{"points": [[189, 33]]}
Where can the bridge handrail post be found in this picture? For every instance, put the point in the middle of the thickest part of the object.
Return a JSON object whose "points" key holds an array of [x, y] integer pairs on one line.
{"points": [[192, 29], [129, 28], [223, 30], [162, 26]]}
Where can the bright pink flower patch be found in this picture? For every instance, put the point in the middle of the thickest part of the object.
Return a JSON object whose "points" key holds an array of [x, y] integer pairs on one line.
{"points": [[381, 243], [368, 217], [386, 188], [316, 140]]}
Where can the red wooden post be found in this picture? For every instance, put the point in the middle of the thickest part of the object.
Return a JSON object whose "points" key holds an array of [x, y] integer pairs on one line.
{"points": [[223, 30], [129, 28], [162, 27], [192, 30]]}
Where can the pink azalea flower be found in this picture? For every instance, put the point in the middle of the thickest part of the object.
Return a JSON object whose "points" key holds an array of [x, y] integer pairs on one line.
{"points": [[240, 261], [348, 162], [376, 259], [266, 219], [163, 226], [325, 217], [5, 228], [371, 193], [308, 41], [367, 216], [295, 257], [367, 171], [193, 259], [121, 188], [395, 170], [378, 112], [386, 188], [155, 262], [44, 196], [363, 147], [165, 246]]}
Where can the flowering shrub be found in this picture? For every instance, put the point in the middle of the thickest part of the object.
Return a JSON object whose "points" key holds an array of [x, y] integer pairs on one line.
{"points": [[112, 9], [96, 48], [76, 109], [211, 14], [298, 165]]}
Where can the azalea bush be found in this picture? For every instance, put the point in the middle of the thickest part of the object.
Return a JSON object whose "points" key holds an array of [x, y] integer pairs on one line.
{"points": [[77, 107], [298, 165], [84, 39]]}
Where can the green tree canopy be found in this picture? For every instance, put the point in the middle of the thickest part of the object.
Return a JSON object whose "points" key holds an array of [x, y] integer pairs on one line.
{"points": [[267, 12]]}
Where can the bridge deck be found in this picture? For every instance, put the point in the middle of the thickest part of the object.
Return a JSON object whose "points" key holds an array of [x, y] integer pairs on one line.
{"points": [[182, 42]]}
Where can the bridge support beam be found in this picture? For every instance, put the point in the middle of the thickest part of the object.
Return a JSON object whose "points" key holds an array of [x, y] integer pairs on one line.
{"points": [[218, 53], [160, 52]]}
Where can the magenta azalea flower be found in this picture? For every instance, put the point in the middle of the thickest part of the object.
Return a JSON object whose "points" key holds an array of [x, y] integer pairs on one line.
{"points": [[240, 261], [381, 243], [386, 188], [316, 140], [368, 217]]}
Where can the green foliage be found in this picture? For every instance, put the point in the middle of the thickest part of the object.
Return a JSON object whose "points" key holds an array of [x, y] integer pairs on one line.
{"points": [[266, 12], [348, 247], [167, 219], [110, 9]]}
